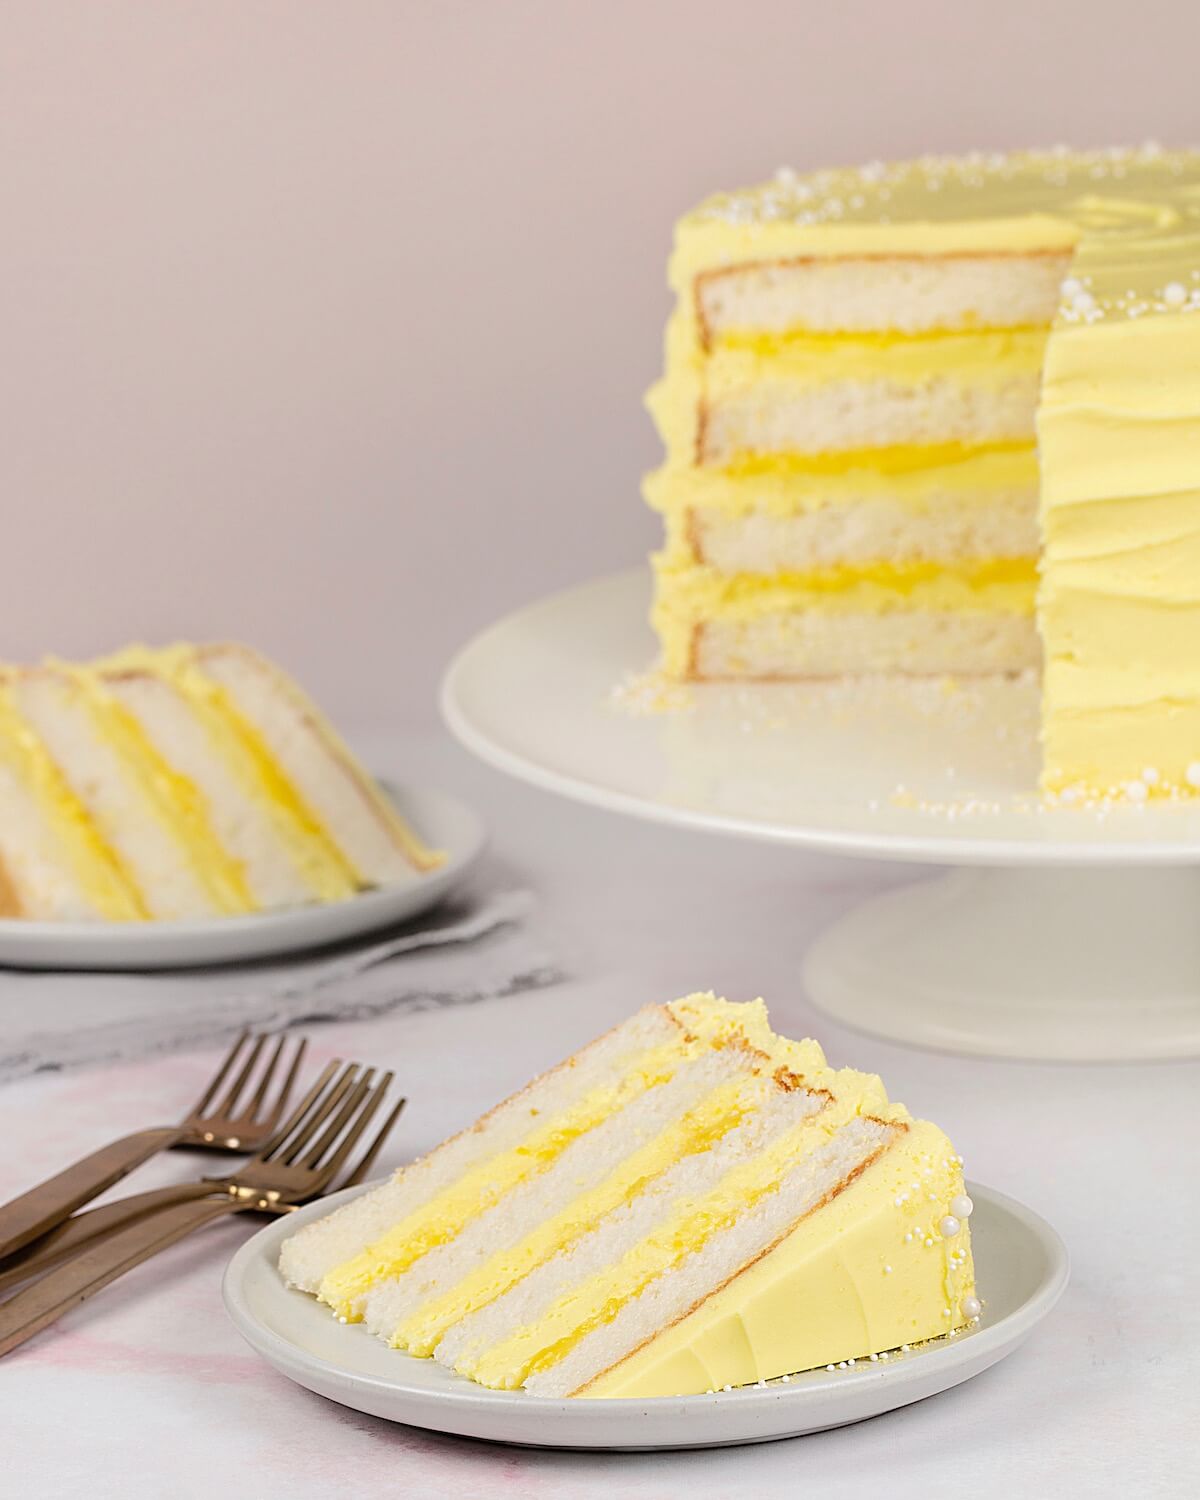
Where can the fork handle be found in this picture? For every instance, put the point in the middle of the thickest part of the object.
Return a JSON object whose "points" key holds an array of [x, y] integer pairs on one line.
{"points": [[27, 1217], [58, 1291], [80, 1229]]}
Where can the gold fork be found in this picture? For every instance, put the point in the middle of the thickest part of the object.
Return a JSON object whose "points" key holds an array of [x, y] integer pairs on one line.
{"points": [[299, 1163], [231, 1124]]}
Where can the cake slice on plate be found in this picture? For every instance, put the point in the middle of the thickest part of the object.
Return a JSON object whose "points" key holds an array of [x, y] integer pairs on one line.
{"points": [[194, 781], [689, 1202]]}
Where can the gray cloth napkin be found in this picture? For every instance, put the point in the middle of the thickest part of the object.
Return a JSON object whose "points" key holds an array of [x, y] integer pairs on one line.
{"points": [[474, 946]]}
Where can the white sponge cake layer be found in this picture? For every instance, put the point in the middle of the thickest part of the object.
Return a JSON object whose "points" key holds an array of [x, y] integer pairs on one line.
{"points": [[918, 642], [913, 294], [848, 416], [948, 526]]}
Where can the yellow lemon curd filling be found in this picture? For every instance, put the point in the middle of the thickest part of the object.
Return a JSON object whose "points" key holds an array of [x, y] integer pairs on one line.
{"points": [[787, 484], [95, 864], [1004, 583], [801, 358]]}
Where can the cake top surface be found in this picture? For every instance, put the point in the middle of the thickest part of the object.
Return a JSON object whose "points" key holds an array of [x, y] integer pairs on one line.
{"points": [[1131, 216]]}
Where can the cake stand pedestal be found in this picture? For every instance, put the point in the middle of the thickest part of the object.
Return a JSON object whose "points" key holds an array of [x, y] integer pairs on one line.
{"points": [[1065, 934], [1070, 965]]}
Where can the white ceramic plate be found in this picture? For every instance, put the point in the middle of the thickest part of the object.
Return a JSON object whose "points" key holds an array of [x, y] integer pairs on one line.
{"points": [[889, 769], [443, 822], [1021, 1265]]}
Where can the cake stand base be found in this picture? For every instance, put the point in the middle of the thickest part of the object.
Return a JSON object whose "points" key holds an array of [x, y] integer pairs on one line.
{"points": [[1073, 965]]}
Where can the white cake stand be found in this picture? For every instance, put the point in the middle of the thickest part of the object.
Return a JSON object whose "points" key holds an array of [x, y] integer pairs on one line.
{"points": [[1061, 934]]}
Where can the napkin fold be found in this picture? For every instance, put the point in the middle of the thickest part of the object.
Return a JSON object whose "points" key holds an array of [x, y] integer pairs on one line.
{"points": [[476, 945]]}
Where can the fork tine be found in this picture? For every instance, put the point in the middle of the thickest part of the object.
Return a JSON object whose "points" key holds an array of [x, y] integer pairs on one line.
{"points": [[291, 1143], [350, 1105], [219, 1078], [296, 1118], [285, 1092], [358, 1125], [367, 1160], [253, 1104], [227, 1105]]}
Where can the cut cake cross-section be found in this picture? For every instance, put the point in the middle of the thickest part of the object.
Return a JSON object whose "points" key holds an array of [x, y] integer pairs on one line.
{"points": [[688, 1203]]}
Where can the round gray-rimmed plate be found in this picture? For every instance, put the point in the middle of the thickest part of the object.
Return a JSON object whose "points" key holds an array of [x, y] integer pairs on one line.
{"points": [[443, 822], [1022, 1270]]}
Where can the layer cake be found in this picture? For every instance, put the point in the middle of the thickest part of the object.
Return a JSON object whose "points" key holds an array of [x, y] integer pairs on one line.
{"points": [[943, 416]]}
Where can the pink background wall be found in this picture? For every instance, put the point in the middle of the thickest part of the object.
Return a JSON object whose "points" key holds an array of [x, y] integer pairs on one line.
{"points": [[326, 324]]}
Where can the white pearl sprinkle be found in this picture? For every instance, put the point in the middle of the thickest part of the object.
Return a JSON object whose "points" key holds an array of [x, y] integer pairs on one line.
{"points": [[1072, 287], [1192, 774], [970, 1307], [830, 1367], [949, 1227], [929, 1244], [908, 1238], [961, 1207], [1150, 775], [787, 1380], [904, 1348], [1136, 791], [1083, 302], [887, 1270], [1174, 294]]}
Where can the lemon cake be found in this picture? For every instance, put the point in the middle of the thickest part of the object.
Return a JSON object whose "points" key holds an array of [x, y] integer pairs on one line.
{"points": [[943, 416], [690, 1202], [193, 781]]}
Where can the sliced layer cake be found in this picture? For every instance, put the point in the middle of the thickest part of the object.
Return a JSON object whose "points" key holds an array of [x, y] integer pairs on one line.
{"points": [[857, 370], [689, 1202], [194, 781]]}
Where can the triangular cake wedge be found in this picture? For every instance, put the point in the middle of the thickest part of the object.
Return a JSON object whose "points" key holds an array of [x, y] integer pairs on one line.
{"points": [[187, 782], [688, 1203]]}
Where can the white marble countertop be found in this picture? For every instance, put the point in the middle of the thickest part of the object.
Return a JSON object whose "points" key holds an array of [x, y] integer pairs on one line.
{"points": [[147, 1391]]}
